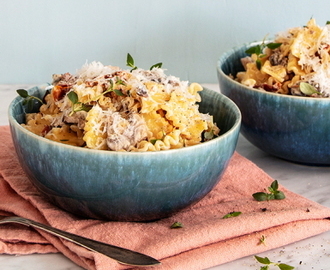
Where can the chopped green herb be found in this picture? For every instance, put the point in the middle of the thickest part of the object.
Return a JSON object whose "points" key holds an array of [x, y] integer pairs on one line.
{"points": [[274, 193], [76, 105], [118, 92], [176, 225], [158, 65], [273, 45], [112, 88], [130, 63], [308, 89], [153, 141], [262, 240], [28, 99], [268, 263], [258, 50], [73, 97], [232, 214]]}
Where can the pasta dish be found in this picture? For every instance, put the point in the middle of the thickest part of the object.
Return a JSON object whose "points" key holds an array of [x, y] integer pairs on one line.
{"points": [[296, 63], [109, 108]]}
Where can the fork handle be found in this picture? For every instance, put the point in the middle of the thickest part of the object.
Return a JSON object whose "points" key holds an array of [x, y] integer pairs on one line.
{"points": [[121, 255]]}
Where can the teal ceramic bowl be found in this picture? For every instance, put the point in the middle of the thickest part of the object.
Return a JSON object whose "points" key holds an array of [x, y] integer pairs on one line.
{"points": [[293, 128], [126, 186]]}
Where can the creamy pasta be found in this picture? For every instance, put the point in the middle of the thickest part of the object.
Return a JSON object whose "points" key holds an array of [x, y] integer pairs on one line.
{"points": [[108, 108], [298, 65]]}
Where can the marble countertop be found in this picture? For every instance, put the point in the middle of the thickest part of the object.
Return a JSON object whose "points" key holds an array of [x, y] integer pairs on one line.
{"points": [[312, 182]]}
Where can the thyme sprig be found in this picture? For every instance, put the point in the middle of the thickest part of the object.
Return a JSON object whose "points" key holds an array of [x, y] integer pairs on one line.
{"points": [[259, 51], [28, 99], [274, 193], [267, 263], [112, 86], [76, 104], [130, 63]]}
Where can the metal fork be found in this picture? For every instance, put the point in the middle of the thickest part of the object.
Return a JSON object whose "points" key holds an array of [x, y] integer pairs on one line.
{"points": [[121, 255]]}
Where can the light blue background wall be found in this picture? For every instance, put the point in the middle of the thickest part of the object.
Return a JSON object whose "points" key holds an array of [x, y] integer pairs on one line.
{"points": [[42, 37]]}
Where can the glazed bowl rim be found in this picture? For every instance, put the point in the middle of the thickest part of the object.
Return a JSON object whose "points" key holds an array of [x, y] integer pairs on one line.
{"points": [[14, 123]]}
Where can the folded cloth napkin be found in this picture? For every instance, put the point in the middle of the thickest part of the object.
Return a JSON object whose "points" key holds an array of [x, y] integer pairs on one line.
{"points": [[205, 240]]}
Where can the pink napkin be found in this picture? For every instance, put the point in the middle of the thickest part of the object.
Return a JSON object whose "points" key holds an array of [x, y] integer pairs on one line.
{"points": [[205, 240]]}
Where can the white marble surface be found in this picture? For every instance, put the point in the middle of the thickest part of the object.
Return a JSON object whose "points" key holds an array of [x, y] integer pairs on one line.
{"points": [[310, 181]]}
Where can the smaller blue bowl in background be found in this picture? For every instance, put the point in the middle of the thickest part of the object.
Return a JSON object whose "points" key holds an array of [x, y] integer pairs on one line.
{"points": [[126, 186], [293, 128]]}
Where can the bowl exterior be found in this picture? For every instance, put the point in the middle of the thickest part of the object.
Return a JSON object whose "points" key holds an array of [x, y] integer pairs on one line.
{"points": [[126, 186], [289, 127]]}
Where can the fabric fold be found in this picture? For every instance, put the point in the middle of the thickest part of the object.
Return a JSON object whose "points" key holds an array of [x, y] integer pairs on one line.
{"points": [[205, 240]]}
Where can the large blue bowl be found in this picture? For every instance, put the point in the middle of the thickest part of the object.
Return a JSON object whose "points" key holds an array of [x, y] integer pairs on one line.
{"points": [[126, 186], [289, 127]]}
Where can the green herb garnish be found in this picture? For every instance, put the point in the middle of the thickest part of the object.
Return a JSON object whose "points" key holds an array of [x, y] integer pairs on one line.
{"points": [[113, 89], [268, 263], [308, 89], [232, 214], [158, 65], [28, 99], [258, 50], [153, 141], [130, 63], [76, 105], [262, 240], [209, 135], [274, 193], [176, 225]]}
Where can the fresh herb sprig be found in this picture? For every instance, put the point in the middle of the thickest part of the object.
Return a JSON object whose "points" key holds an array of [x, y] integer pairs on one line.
{"points": [[76, 104], [274, 193], [262, 240], [259, 51], [130, 63], [232, 214], [28, 99], [267, 263], [176, 225], [308, 89], [113, 89]]}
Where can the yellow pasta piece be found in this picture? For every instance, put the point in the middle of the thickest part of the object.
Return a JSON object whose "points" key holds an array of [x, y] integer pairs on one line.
{"points": [[277, 72], [306, 39], [38, 123], [254, 73], [157, 125], [65, 135], [193, 89], [185, 117], [294, 81], [156, 97], [50, 106], [87, 94], [95, 129], [293, 65]]}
